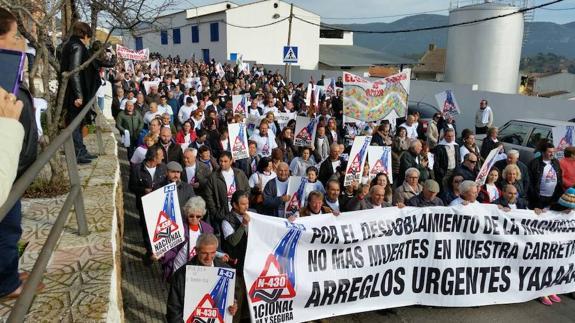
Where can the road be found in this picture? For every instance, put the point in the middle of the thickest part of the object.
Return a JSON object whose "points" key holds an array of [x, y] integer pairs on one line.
{"points": [[144, 292]]}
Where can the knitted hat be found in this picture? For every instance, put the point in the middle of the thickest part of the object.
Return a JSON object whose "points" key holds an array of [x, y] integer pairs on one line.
{"points": [[568, 198]]}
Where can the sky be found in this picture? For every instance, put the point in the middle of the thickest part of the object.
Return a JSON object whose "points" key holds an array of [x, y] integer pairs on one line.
{"points": [[381, 10]]}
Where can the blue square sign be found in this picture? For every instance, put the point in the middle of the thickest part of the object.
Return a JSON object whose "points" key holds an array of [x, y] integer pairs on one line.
{"points": [[290, 54]]}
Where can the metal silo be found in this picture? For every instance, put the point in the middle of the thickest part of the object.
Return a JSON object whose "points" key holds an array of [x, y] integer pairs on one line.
{"points": [[485, 53]]}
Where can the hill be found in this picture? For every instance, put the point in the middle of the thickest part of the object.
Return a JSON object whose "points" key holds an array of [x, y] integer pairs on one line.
{"points": [[543, 37]]}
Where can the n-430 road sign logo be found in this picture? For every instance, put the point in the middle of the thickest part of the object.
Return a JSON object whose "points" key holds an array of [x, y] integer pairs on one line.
{"points": [[277, 279]]}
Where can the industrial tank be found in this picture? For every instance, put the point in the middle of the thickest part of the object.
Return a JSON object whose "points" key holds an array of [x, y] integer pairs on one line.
{"points": [[486, 53]]}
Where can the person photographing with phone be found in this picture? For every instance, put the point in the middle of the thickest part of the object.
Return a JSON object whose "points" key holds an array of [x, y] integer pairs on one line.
{"points": [[15, 104]]}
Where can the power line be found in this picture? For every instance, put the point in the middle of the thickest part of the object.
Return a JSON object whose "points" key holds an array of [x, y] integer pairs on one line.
{"points": [[432, 27]]}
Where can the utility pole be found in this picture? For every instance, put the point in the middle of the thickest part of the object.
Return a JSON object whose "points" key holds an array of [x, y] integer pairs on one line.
{"points": [[288, 65]]}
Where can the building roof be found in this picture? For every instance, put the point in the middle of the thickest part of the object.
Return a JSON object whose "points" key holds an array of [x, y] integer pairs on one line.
{"points": [[352, 56], [433, 61]]}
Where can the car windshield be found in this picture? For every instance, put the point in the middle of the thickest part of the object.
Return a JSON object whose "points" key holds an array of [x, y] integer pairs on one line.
{"points": [[514, 133]]}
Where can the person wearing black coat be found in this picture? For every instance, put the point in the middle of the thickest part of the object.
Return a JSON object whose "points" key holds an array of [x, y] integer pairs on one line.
{"points": [[143, 182], [441, 167], [82, 86], [206, 247], [329, 166], [171, 150], [490, 142], [249, 165]]}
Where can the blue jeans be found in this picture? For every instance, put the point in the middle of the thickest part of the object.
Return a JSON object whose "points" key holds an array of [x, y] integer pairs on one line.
{"points": [[10, 233], [78, 139]]}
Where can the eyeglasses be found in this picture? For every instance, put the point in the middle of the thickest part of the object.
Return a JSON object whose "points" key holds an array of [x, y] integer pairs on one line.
{"points": [[412, 177], [195, 216]]}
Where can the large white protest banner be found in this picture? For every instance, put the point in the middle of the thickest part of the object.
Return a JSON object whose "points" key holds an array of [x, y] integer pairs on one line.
{"points": [[322, 266], [373, 101], [136, 55], [379, 161], [357, 156], [163, 219], [447, 103], [486, 167], [238, 140], [562, 138], [208, 294], [296, 191], [305, 129]]}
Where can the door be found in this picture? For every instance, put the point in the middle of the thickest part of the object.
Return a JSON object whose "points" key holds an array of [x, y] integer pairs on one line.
{"points": [[206, 55]]}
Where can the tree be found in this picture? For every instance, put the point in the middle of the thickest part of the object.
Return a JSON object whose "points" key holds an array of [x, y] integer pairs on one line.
{"points": [[38, 21]]}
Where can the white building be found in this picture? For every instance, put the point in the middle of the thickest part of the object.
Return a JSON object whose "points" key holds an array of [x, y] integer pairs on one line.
{"points": [[258, 31]]}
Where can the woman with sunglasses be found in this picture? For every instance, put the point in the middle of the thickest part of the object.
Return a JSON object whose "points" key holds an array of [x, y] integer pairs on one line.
{"points": [[192, 213]]}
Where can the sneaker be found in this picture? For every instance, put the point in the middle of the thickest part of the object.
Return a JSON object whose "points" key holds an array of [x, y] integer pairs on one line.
{"points": [[546, 301], [554, 298]]}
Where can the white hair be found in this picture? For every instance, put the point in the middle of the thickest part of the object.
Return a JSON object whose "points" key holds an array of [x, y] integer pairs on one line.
{"points": [[194, 151], [412, 170], [513, 152], [196, 205], [466, 186]]}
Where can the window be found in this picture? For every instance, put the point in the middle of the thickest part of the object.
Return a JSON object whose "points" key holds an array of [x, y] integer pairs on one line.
{"points": [[176, 35], [214, 31], [195, 34], [139, 43], [514, 133], [536, 135], [164, 37]]}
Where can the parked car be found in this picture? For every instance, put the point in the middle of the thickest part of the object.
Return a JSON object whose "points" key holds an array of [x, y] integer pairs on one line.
{"points": [[524, 134], [426, 112]]}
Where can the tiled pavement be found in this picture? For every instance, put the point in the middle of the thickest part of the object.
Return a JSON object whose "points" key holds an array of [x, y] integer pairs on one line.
{"points": [[79, 278]]}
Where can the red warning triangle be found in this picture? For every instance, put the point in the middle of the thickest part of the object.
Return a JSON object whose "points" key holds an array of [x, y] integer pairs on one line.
{"points": [[304, 134], [164, 227], [206, 311], [378, 167], [354, 168], [239, 144], [267, 281]]}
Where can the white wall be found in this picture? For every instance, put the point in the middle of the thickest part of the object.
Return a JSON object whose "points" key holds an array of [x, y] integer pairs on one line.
{"points": [[218, 50], [556, 82], [265, 45], [505, 106], [186, 48], [347, 40]]}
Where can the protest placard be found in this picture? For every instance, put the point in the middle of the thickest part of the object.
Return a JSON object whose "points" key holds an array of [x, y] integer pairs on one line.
{"points": [[208, 294], [129, 66], [324, 265], [305, 129], [240, 104], [379, 161], [447, 103], [357, 157], [155, 67], [373, 101], [220, 70], [238, 140], [136, 55], [487, 164], [312, 94], [562, 138], [284, 117], [149, 84], [163, 219], [296, 191]]}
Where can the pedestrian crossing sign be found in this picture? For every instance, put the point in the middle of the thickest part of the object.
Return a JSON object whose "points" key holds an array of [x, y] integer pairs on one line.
{"points": [[290, 54]]}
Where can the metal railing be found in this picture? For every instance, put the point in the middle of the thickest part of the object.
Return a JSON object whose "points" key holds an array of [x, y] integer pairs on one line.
{"points": [[74, 198]]}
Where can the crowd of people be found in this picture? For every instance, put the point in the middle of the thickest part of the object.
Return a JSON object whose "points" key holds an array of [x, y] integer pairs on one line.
{"points": [[174, 118], [177, 117]]}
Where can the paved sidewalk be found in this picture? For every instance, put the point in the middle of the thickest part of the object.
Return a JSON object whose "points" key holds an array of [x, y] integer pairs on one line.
{"points": [[80, 275]]}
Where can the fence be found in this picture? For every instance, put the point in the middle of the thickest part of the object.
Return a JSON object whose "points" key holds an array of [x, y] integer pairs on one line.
{"points": [[74, 198]]}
